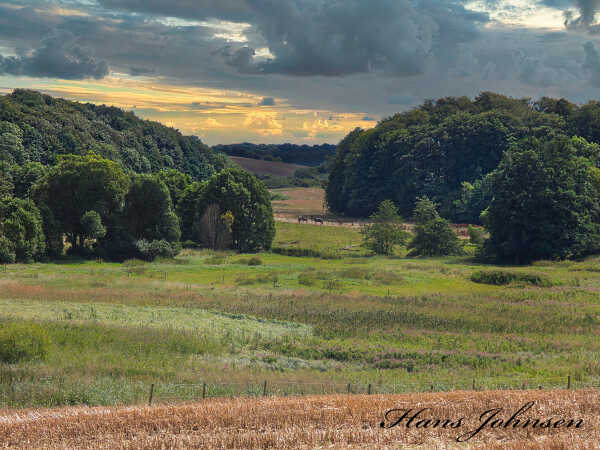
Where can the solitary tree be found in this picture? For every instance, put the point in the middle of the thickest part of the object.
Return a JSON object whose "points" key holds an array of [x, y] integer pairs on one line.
{"points": [[433, 235], [386, 230]]}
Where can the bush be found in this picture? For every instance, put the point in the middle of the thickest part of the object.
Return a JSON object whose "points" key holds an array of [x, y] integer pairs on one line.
{"points": [[500, 277], [189, 244], [22, 342], [476, 235], [7, 251], [255, 261], [435, 238], [295, 251], [150, 250]]}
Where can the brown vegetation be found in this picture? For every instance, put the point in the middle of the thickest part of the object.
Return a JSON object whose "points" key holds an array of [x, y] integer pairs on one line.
{"points": [[334, 421], [260, 167]]}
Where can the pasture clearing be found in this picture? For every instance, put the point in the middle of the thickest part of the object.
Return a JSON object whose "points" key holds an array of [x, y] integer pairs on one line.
{"points": [[398, 324]]}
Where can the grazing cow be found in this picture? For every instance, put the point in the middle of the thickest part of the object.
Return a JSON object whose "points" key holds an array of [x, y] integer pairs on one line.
{"points": [[302, 219], [318, 220]]}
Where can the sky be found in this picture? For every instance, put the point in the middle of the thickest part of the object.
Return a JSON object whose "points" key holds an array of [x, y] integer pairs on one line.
{"points": [[302, 71]]}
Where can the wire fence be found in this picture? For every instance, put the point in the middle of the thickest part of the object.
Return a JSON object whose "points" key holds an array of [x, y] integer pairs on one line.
{"points": [[165, 392]]}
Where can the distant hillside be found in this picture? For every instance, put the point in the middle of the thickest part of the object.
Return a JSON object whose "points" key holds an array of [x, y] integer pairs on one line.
{"points": [[289, 153], [259, 167], [38, 127]]}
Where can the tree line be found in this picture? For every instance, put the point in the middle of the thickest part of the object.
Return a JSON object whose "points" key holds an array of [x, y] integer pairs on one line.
{"points": [[307, 155], [88, 206], [39, 128], [528, 171]]}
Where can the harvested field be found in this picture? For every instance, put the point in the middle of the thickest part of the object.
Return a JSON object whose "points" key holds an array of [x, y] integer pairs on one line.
{"points": [[313, 422], [260, 167]]}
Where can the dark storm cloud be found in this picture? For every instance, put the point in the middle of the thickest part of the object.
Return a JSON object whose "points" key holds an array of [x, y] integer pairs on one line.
{"points": [[374, 57], [334, 37], [60, 57]]}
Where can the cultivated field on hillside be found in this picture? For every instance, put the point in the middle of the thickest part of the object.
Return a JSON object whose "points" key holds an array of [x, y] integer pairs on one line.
{"points": [[302, 324], [315, 422], [260, 167]]}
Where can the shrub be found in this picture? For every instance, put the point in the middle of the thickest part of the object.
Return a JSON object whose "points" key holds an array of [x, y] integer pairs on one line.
{"points": [[476, 235], [255, 261], [189, 244], [500, 277], [150, 250], [7, 251], [22, 342]]}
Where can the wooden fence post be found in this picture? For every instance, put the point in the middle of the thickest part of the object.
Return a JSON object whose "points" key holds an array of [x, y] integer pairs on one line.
{"points": [[151, 394], [569, 382], [203, 390], [369, 389], [265, 389], [348, 388]]}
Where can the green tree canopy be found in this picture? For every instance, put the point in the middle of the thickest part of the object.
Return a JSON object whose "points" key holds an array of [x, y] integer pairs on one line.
{"points": [[20, 230], [240, 193], [386, 230], [76, 185], [546, 201], [433, 235]]}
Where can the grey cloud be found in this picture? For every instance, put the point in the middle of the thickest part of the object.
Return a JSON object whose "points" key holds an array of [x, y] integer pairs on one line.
{"points": [[368, 119], [267, 101], [333, 37], [59, 56], [592, 63]]}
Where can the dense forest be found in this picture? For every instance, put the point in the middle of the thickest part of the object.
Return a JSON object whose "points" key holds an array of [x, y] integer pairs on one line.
{"points": [[38, 128], [306, 155], [445, 150]]}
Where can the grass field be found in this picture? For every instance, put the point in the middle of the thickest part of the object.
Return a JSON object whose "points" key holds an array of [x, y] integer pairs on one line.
{"points": [[314, 422], [302, 324]]}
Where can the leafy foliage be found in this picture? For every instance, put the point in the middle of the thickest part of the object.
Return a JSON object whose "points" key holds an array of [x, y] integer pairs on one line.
{"points": [[546, 202], [386, 230], [21, 234], [433, 235], [289, 153], [38, 128], [22, 342], [435, 148], [239, 192]]}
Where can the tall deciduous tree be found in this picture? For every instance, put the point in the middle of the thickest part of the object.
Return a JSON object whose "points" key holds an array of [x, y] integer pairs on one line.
{"points": [[546, 202], [20, 230], [239, 192], [76, 185]]}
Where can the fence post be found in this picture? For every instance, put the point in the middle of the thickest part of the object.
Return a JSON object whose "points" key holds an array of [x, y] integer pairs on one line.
{"points": [[265, 389], [369, 389], [569, 382], [203, 390], [348, 388], [431, 388], [473, 383], [151, 394]]}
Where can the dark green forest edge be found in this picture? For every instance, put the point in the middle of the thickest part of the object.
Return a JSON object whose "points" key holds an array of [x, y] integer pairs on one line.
{"points": [[95, 181], [527, 170]]}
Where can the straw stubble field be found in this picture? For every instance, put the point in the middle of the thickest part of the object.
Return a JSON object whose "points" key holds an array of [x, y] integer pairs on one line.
{"points": [[313, 422]]}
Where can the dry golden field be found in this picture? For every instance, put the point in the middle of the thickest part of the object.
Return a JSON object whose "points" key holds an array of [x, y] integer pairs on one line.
{"points": [[310, 422]]}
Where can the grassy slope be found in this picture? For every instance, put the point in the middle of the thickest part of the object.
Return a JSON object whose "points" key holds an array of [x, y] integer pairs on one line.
{"points": [[399, 324]]}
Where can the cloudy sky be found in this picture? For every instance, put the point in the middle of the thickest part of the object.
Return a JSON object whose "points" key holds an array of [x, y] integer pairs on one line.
{"points": [[305, 71]]}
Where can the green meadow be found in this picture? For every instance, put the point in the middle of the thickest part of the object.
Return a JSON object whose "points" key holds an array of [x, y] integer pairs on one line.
{"points": [[106, 332]]}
